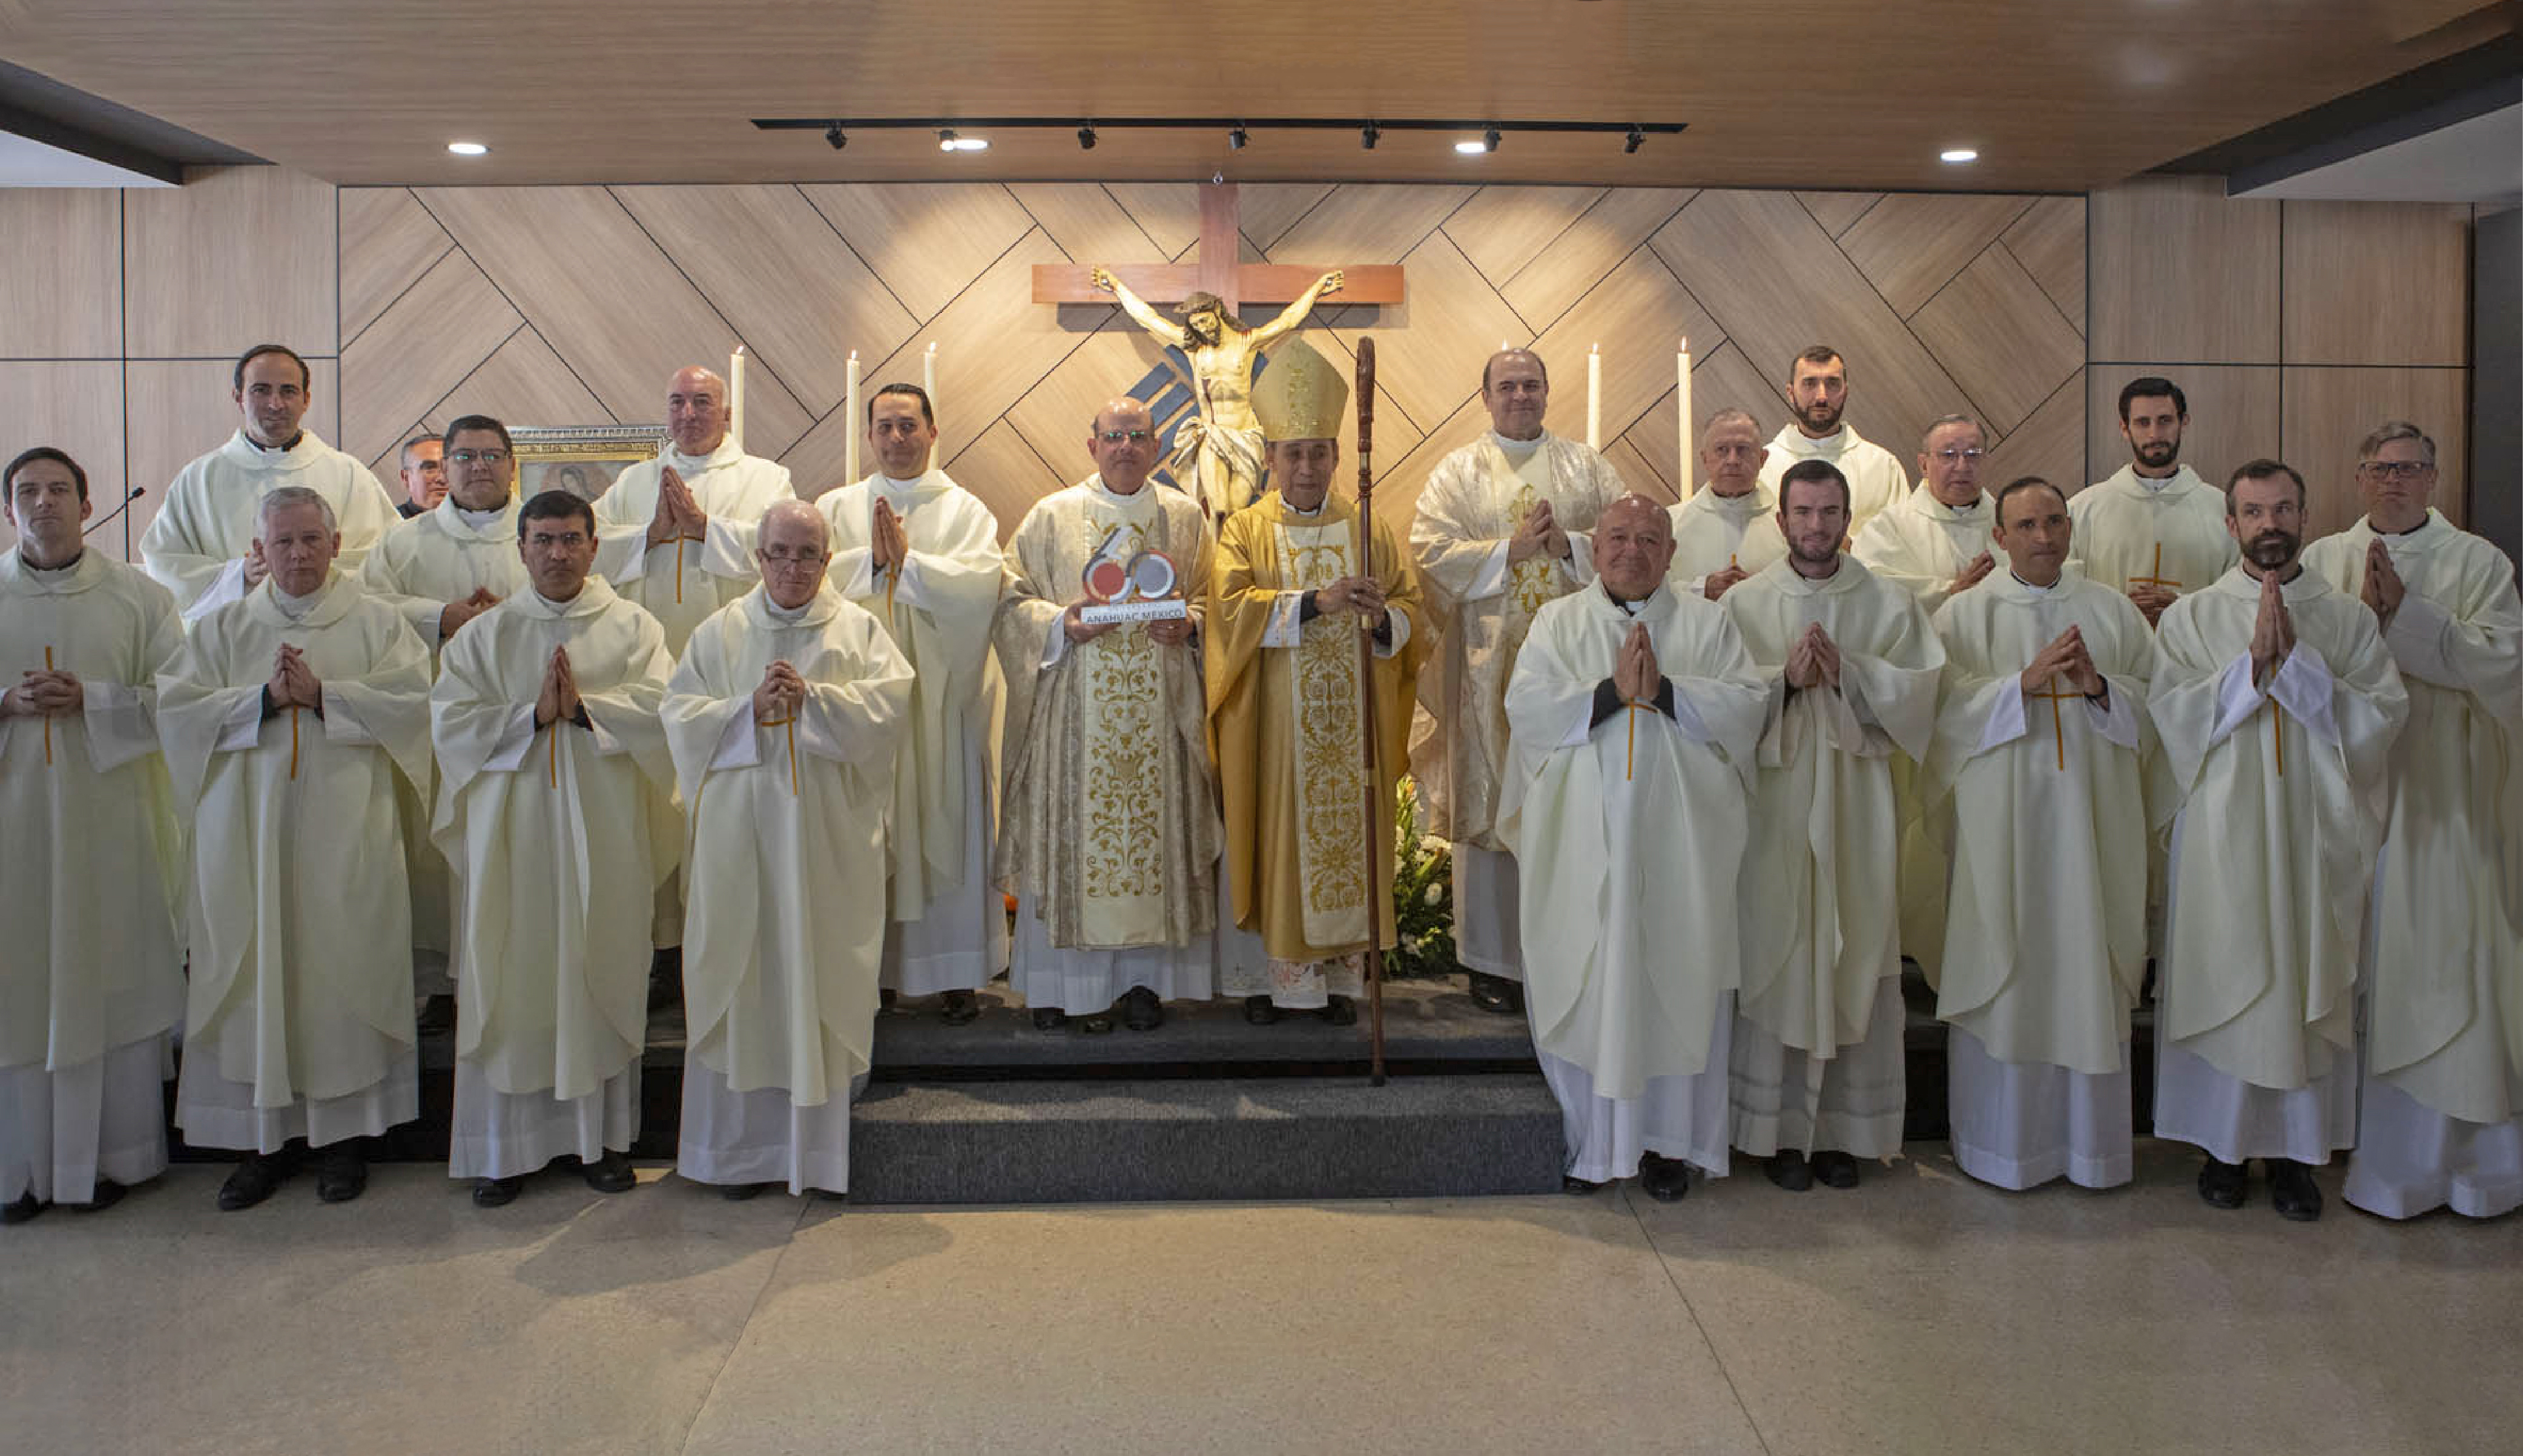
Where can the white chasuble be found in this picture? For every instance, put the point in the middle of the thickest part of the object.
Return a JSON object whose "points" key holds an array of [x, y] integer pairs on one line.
{"points": [[1109, 823], [196, 545], [90, 861], [1819, 933], [937, 608], [780, 937], [2170, 534], [1481, 606], [1631, 834], [445, 555], [2045, 944], [1875, 478], [1921, 543], [1713, 532], [559, 836], [682, 581], [2446, 1019], [299, 914], [2279, 789]]}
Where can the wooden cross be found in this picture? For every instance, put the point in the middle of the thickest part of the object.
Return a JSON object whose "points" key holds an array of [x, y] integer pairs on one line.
{"points": [[2158, 578], [2058, 729], [1215, 269]]}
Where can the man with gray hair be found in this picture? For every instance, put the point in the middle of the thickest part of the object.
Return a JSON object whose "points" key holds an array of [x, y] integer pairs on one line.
{"points": [[287, 720], [2439, 1118], [1727, 529]]}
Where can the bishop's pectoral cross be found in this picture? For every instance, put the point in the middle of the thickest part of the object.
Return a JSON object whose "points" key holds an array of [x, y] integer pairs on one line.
{"points": [[1215, 269]]}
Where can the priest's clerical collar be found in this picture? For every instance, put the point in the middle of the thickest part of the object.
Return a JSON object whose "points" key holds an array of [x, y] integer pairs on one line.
{"points": [[2035, 585], [2423, 523], [32, 564], [789, 615], [277, 449], [1968, 508], [1295, 509], [1823, 443], [296, 607], [2155, 482], [558, 606], [892, 482], [477, 519], [1518, 447], [1630, 607]]}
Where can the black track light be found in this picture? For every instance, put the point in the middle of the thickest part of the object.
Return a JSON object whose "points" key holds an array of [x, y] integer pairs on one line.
{"points": [[1086, 137], [1367, 135], [1489, 139], [1237, 136], [835, 137], [1637, 139]]}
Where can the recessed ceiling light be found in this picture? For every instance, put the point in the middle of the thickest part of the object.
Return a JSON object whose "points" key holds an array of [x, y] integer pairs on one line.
{"points": [[1957, 155], [467, 149], [948, 141], [1471, 149]]}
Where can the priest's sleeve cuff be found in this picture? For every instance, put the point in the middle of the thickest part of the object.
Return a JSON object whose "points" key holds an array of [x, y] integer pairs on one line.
{"points": [[2420, 634], [516, 735], [740, 746], [1391, 632], [1607, 701], [2115, 716], [625, 558], [1491, 579], [2302, 686], [242, 729], [1288, 616], [1580, 556], [2006, 721], [1055, 643], [909, 588], [2238, 697], [228, 587], [119, 726], [341, 720]]}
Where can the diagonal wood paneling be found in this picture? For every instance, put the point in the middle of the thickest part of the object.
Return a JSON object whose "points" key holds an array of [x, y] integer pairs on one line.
{"points": [[924, 240], [389, 240], [1639, 316], [1365, 223], [2049, 241], [1271, 209], [1429, 351], [604, 298], [2050, 443], [1909, 246], [1087, 224], [1609, 231], [1720, 378], [1166, 212], [525, 383], [1836, 211], [438, 331], [766, 260], [1004, 471], [1500, 230], [1996, 333]]}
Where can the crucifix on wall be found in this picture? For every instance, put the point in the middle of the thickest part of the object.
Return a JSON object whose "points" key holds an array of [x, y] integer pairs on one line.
{"points": [[1220, 457]]}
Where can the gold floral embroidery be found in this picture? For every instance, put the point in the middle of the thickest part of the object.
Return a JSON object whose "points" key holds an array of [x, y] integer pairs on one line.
{"points": [[1323, 682]]}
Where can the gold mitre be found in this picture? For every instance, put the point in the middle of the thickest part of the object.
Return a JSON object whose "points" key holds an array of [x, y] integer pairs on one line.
{"points": [[1300, 396]]}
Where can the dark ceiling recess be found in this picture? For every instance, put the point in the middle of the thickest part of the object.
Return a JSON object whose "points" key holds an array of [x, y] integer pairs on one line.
{"points": [[2463, 85], [41, 108]]}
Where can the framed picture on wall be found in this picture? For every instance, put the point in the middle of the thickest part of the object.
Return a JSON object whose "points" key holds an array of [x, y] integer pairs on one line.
{"points": [[580, 459]]}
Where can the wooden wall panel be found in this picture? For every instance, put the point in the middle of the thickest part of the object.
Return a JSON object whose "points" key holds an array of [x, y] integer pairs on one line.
{"points": [[1500, 230], [1838, 212], [924, 240], [2330, 410], [1429, 351], [2180, 271], [1088, 223], [1610, 230], [2050, 443], [2049, 242], [2377, 283], [235, 257], [1369, 223], [1998, 334], [437, 332], [60, 292], [389, 240], [1638, 314], [1909, 246], [1168, 212], [1004, 471], [1720, 378], [77, 407], [2233, 415]]}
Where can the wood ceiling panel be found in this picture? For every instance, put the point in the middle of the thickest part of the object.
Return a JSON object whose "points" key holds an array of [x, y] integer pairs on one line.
{"points": [[1428, 350], [1572, 263], [235, 257], [2376, 283], [2183, 272], [1909, 246], [1997, 333], [389, 240], [799, 297], [2330, 411], [437, 332], [924, 241], [1500, 230], [2049, 241], [60, 294], [2233, 416]]}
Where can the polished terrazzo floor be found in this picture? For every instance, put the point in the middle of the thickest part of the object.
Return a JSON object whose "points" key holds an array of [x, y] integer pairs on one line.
{"points": [[1918, 1313]]}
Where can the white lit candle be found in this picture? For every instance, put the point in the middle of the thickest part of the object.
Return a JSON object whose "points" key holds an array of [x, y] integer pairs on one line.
{"points": [[736, 397], [1682, 417], [1594, 397], [850, 403], [929, 382]]}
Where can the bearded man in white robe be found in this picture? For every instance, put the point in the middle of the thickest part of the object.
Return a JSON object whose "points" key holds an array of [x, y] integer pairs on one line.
{"points": [[2153, 529], [2440, 1121], [1108, 834], [1501, 529], [201, 544], [922, 554], [89, 859], [1851, 663], [1818, 397], [1729, 528], [2037, 763], [2276, 703], [1637, 718], [287, 720], [555, 808], [783, 716]]}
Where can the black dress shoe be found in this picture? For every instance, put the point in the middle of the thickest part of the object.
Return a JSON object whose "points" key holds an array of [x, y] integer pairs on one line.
{"points": [[744, 1193], [2292, 1190], [1788, 1170], [960, 1008], [2223, 1185], [610, 1174], [1049, 1018], [1495, 993], [1141, 1010], [1578, 1187], [341, 1173], [1339, 1010], [497, 1193], [1260, 1010], [106, 1194], [886, 997], [26, 1207], [257, 1178], [1099, 1024], [437, 1016], [1665, 1179], [666, 978], [1834, 1169]]}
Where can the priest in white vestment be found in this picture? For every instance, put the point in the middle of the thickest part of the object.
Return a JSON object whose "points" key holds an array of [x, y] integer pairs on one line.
{"points": [[2439, 1118], [286, 720], [2277, 703], [1502, 526], [2037, 763], [93, 979], [555, 808], [1932, 542], [1729, 528], [922, 554], [201, 544], [1108, 832], [1850, 663], [443, 567], [2153, 529], [783, 717], [1635, 721], [675, 534], [1287, 718], [1818, 394]]}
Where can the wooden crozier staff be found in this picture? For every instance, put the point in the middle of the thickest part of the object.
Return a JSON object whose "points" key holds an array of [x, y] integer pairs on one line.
{"points": [[1378, 903]]}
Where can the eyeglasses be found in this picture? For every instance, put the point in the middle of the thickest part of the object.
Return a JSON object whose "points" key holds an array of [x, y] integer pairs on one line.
{"points": [[1116, 437], [2396, 470], [1952, 456], [569, 541], [486, 457], [783, 556]]}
